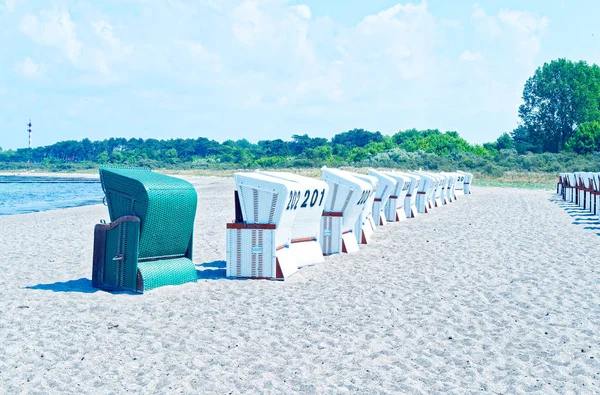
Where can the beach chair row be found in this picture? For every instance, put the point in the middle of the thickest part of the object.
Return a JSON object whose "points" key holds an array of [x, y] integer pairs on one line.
{"points": [[286, 221], [580, 188], [283, 221]]}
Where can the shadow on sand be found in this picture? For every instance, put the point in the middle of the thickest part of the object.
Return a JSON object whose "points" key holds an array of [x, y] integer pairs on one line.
{"points": [[83, 285], [206, 271], [580, 215]]}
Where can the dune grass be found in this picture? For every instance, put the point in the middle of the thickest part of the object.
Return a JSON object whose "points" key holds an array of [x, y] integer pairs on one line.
{"points": [[523, 180]]}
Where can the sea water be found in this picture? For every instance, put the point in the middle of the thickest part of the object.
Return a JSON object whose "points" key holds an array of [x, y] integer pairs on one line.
{"points": [[19, 195]]}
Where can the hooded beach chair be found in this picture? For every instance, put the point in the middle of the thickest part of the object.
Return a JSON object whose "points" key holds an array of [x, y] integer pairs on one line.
{"points": [[259, 241], [305, 245], [365, 224], [394, 209], [148, 243], [424, 191], [467, 182], [385, 187], [347, 198], [410, 208]]}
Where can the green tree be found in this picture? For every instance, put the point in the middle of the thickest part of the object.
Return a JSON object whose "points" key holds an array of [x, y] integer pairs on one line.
{"points": [[504, 142], [357, 138], [559, 97], [586, 138]]}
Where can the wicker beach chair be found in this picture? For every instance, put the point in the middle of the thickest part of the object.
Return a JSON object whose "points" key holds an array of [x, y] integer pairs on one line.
{"points": [[148, 243]]}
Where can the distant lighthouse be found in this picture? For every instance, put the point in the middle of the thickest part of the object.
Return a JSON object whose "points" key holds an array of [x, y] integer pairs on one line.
{"points": [[29, 130]]}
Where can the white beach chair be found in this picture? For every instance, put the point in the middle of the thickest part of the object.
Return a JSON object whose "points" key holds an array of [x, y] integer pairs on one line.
{"points": [[258, 242], [560, 184], [570, 185], [459, 184], [305, 245], [586, 190], [445, 186], [348, 196], [384, 190], [467, 182], [394, 209], [410, 208], [425, 188], [365, 224], [435, 199], [596, 194], [449, 191]]}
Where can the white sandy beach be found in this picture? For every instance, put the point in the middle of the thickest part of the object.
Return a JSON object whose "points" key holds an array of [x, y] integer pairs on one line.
{"points": [[498, 292]]}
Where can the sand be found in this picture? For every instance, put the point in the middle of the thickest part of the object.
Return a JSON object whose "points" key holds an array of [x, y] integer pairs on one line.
{"points": [[498, 292]]}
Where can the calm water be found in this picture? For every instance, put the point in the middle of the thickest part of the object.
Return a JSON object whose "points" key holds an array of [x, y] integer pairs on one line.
{"points": [[19, 195]]}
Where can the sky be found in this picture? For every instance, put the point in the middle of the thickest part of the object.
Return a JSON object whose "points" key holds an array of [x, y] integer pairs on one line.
{"points": [[267, 69]]}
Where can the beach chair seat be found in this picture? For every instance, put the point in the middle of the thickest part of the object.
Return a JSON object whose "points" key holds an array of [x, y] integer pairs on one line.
{"points": [[148, 243]]}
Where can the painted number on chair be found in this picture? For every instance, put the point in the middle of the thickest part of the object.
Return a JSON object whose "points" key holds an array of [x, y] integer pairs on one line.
{"points": [[310, 199], [364, 197]]}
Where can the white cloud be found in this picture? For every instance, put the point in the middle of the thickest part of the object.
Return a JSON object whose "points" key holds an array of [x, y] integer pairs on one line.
{"points": [[468, 56], [484, 22], [528, 30], [10, 5], [91, 46], [54, 28], [273, 28], [110, 48], [523, 29], [197, 51], [303, 11], [29, 68], [398, 42], [451, 23]]}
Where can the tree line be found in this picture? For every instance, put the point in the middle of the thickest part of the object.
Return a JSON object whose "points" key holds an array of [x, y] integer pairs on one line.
{"points": [[345, 148]]}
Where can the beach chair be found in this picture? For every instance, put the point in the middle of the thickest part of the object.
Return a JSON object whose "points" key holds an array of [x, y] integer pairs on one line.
{"points": [[559, 186], [365, 224], [467, 182], [573, 187], [459, 184], [347, 198], [410, 208], [384, 190], [424, 191], [435, 200], [394, 209], [148, 243], [446, 184], [449, 191], [259, 240], [304, 244]]}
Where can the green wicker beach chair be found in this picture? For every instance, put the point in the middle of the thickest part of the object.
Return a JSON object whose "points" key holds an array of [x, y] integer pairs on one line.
{"points": [[148, 243]]}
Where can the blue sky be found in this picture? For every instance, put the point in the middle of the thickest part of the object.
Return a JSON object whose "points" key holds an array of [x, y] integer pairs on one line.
{"points": [[265, 69]]}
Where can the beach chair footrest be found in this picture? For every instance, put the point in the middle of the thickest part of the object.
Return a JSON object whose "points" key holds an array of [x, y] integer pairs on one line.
{"points": [[158, 273]]}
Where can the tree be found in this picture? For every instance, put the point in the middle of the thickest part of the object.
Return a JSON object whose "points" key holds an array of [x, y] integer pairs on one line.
{"points": [[504, 142], [586, 138], [559, 97], [357, 138]]}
